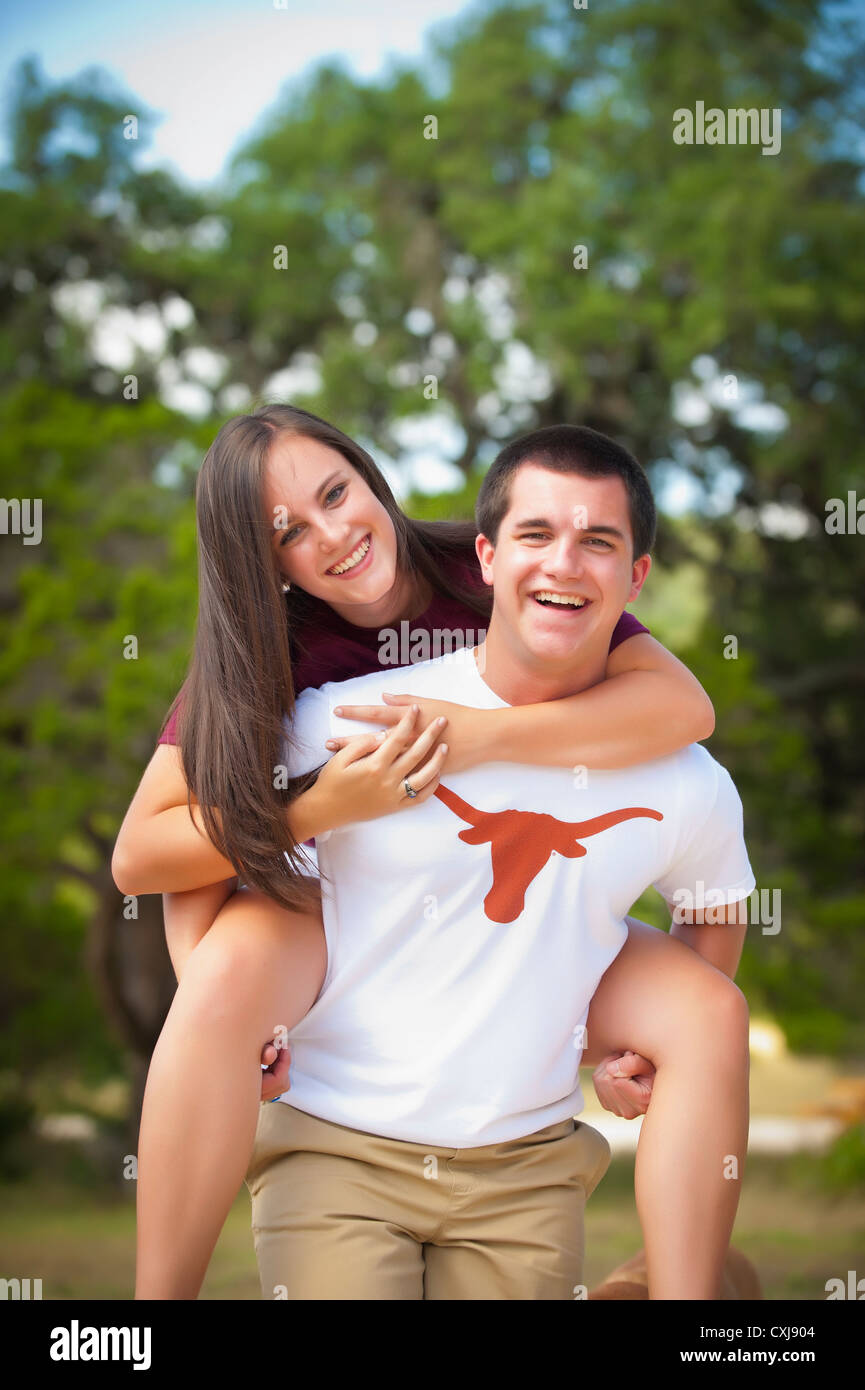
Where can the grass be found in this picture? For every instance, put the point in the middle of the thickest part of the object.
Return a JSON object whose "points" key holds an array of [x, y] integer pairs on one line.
{"points": [[80, 1239]]}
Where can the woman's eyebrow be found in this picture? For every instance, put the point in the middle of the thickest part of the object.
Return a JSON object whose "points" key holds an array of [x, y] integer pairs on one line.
{"points": [[323, 488]]}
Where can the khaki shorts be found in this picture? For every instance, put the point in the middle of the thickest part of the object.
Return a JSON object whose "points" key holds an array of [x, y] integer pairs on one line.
{"points": [[341, 1214]]}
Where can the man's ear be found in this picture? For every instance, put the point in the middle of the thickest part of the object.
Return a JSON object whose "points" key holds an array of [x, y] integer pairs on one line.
{"points": [[485, 550], [639, 575]]}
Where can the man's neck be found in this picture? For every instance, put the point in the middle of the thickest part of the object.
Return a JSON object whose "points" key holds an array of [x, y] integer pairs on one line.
{"points": [[512, 675]]}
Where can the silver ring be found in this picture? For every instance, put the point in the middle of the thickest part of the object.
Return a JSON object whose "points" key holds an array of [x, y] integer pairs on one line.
{"points": [[409, 791]]}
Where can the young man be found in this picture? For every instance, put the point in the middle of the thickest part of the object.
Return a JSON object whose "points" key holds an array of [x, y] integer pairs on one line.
{"points": [[427, 1147]]}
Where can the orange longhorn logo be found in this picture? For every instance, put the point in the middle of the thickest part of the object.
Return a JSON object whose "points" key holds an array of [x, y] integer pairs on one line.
{"points": [[521, 843]]}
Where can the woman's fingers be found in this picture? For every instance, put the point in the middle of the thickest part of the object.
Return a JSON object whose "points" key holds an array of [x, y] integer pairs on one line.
{"points": [[422, 744], [356, 746], [430, 770], [396, 754], [397, 739]]}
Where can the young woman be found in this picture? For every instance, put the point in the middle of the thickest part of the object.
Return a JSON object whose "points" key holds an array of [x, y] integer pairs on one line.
{"points": [[304, 560]]}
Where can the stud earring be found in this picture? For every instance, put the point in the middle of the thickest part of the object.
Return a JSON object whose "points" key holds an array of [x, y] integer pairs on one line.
{"points": [[285, 588]]}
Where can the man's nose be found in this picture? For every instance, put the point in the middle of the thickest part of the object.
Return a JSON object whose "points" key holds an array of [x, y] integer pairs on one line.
{"points": [[566, 557]]}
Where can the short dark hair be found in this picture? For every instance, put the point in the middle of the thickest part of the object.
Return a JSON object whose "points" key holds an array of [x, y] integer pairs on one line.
{"points": [[568, 449]]}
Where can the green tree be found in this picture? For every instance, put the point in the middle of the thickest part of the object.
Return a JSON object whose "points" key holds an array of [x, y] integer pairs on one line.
{"points": [[411, 240]]}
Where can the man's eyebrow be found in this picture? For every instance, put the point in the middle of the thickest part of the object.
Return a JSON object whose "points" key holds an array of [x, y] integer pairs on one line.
{"points": [[324, 486], [542, 521], [605, 531]]}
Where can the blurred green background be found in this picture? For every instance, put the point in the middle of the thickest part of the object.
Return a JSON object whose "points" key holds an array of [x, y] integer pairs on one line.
{"points": [[427, 297]]}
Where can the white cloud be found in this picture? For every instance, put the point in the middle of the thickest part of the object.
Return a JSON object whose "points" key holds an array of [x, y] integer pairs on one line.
{"points": [[210, 68]]}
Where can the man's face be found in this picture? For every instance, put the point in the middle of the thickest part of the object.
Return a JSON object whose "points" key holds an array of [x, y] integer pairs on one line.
{"points": [[567, 538]]}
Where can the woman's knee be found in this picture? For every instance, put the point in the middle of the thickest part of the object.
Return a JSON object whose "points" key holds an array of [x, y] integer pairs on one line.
{"points": [[660, 999], [730, 1016], [709, 1025]]}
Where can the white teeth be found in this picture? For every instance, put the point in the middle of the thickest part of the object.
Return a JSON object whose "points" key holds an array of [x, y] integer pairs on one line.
{"points": [[353, 559], [567, 600]]}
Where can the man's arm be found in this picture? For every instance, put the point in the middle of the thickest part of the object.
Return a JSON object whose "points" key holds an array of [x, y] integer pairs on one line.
{"points": [[715, 933]]}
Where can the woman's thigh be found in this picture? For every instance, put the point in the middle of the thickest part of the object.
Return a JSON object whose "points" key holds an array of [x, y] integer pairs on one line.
{"points": [[260, 958], [657, 993]]}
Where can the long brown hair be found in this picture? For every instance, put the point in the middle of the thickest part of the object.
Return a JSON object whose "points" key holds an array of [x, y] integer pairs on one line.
{"points": [[240, 690]]}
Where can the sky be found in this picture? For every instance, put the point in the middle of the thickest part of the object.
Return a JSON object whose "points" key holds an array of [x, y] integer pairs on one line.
{"points": [[211, 67], [209, 70]]}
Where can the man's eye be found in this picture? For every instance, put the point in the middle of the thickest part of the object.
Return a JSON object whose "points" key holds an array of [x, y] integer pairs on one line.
{"points": [[534, 536], [597, 540]]}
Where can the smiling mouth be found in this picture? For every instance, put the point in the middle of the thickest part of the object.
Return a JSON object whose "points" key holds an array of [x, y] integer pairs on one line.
{"points": [[547, 598], [353, 560]]}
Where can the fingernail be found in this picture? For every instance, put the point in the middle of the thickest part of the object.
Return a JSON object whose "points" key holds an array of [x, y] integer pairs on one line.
{"points": [[337, 709]]}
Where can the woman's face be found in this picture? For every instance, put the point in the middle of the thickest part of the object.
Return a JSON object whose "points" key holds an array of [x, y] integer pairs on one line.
{"points": [[331, 535]]}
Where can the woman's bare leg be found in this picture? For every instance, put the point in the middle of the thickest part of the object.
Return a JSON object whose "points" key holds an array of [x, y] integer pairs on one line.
{"points": [[661, 999], [259, 967]]}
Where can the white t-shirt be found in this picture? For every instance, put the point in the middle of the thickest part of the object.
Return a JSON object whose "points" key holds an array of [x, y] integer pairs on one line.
{"points": [[466, 936]]}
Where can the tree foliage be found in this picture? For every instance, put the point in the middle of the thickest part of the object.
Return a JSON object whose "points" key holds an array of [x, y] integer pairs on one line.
{"points": [[404, 248]]}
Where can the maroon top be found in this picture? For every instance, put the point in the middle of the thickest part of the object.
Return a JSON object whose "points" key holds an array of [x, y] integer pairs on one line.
{"points": [[335, 650]]}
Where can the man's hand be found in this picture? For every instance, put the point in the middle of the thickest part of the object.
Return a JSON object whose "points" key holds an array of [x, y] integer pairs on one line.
{"points": [[623, 1084], [274, 1081]]}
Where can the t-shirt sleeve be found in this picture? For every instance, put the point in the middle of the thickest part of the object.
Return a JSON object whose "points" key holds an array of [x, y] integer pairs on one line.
{"points": [[307, 732], [710, 864], [627, 626], [303, 747], [169, 733]]}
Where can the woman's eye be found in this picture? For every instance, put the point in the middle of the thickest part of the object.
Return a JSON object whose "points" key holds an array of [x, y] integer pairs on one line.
{"points": [[334, 493]]}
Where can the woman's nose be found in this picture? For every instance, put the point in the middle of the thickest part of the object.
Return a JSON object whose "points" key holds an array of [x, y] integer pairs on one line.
{"points": [[334, 541]]}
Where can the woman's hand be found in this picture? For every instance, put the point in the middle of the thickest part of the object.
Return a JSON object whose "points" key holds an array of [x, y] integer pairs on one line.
{"points": [[366, 777], [464, 725], [623, 1084]]}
